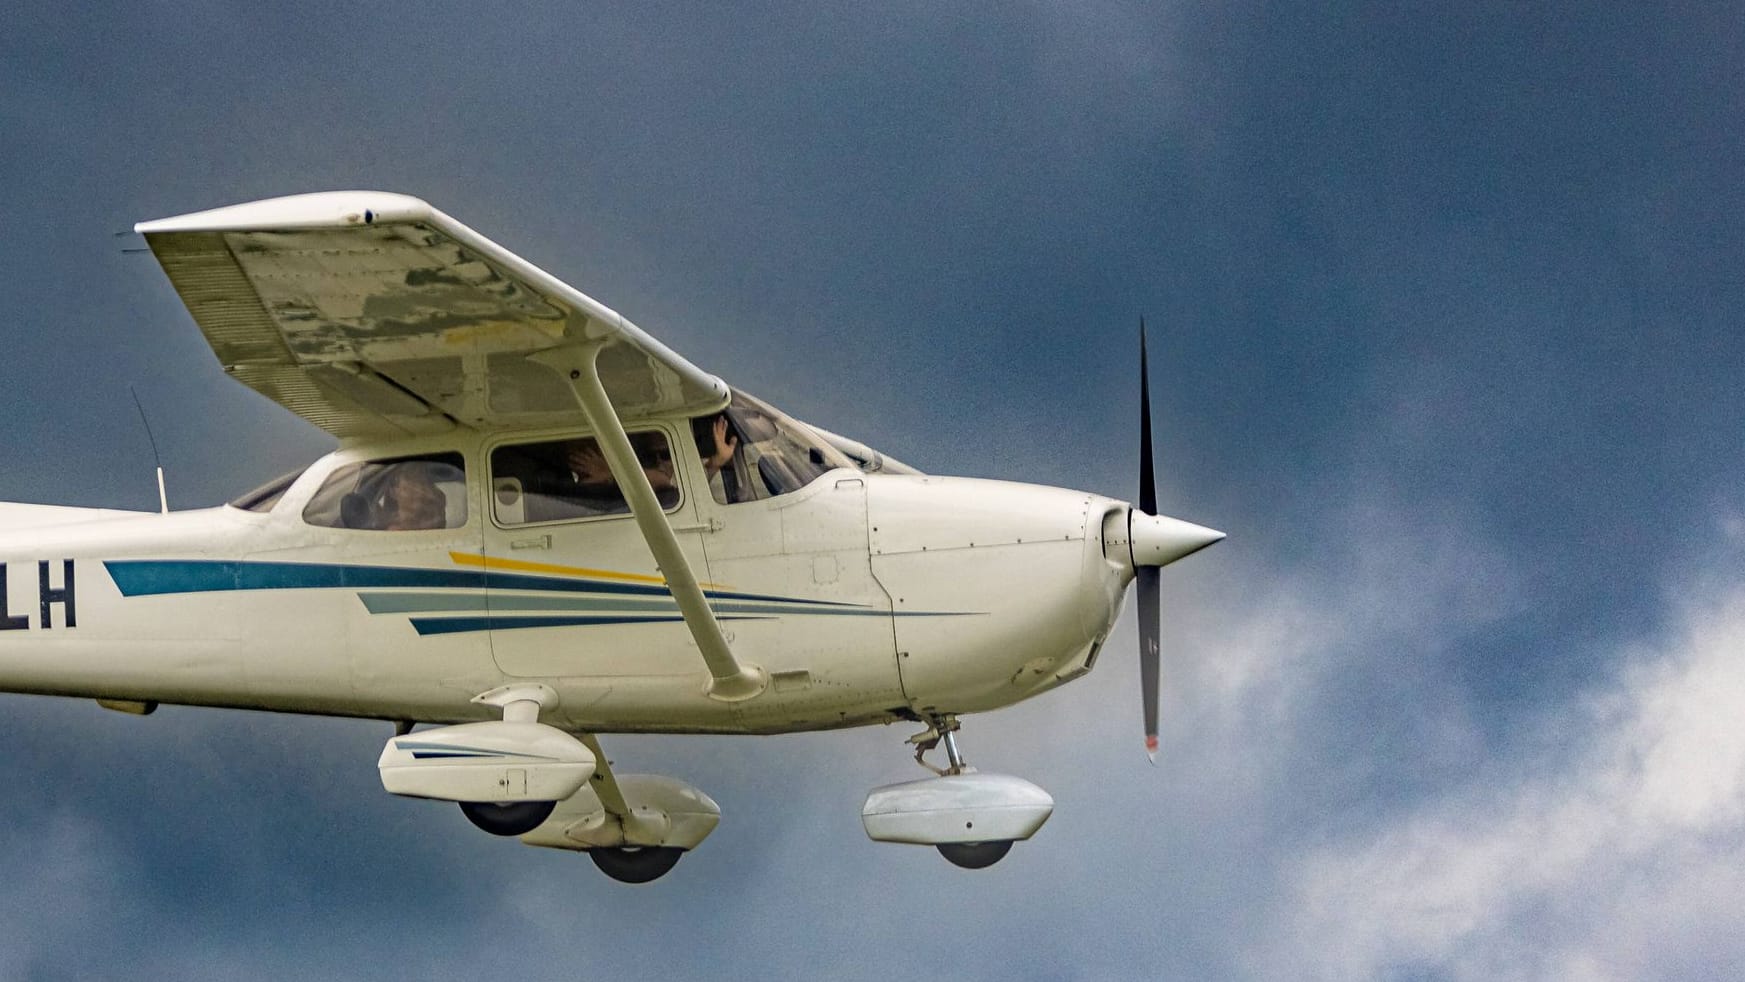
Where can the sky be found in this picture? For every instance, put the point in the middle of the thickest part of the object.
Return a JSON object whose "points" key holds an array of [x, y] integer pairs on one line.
{"points": [[1445, 307]]}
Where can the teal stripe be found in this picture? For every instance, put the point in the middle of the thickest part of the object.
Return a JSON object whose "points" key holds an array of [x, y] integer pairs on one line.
{"points": [[155, 577], [418, 603], [422, 603]]}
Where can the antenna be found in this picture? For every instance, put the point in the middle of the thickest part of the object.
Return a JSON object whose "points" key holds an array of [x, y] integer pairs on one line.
{"points": [[163, 501]]}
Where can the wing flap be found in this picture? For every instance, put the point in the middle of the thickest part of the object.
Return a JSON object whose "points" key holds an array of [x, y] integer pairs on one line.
{"points": [[369, 313]]}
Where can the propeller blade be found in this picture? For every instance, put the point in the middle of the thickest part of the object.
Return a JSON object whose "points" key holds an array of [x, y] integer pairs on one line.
{"points": [[1147, 587], [1147, 479], [1147, 576]]}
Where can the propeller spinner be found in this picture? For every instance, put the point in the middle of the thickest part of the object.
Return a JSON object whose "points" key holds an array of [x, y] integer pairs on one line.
{"points": [[1156, 541]]}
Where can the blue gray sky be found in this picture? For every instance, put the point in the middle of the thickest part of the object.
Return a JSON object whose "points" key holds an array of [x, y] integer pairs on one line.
{"points": [[1445, 307]]}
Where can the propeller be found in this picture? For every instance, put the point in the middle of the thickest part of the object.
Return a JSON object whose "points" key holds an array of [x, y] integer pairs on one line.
{"points": [[1147, 576], [1156, 541]]}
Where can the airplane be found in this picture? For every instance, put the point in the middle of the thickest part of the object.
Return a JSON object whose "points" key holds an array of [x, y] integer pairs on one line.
{"points": [[542, 525]]}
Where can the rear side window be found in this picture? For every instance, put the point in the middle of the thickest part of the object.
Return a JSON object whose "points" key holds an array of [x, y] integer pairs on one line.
{"points": [[404, 494]]}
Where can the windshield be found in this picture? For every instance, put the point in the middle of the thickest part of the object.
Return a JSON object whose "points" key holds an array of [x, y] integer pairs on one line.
{"points": [[752, 451], [263, 498]]}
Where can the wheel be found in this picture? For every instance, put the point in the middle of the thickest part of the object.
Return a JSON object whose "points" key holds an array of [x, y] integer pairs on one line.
{"points": [[975, 855], [514, 818], [635, 864]]}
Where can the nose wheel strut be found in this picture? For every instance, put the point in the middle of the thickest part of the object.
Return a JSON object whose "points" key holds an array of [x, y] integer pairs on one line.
{"points": [[940, 730]]}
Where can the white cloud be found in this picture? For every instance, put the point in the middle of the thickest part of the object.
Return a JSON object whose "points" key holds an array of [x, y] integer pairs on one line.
{"points": [[1613, 852]]}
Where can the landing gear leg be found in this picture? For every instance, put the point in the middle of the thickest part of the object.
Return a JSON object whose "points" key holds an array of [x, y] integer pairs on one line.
{"points": [[627, 863], [942, 730]]}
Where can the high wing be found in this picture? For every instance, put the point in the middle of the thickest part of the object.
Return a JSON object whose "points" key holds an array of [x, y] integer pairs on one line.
{"points": [[374, 314]]}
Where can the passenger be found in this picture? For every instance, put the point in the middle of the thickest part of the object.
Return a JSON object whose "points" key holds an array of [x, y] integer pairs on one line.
{"points": [[571, 478], [590, 475], [412, 501], [592, 481], [656, 459]]}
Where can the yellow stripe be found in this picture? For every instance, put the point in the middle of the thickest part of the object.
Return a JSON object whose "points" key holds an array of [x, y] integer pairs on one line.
{"points": [[522, 566]]}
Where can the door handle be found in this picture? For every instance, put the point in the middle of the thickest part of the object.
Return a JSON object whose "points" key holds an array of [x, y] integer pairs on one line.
{"points": [[539, 542]]}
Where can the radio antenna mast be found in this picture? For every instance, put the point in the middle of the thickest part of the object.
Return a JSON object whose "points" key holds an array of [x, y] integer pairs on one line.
{"points": [[163, 500]]}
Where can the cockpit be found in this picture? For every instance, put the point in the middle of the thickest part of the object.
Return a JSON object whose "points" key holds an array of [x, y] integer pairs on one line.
{"points": [[747, 452], [767, 454]]}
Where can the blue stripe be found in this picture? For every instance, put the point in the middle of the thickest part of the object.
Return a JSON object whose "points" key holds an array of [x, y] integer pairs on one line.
{"points": [[404, 744], [425, 748], [461, 625]]}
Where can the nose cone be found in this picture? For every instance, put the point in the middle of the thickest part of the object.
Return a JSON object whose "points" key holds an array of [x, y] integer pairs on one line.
{"points": [[1158, 540]]}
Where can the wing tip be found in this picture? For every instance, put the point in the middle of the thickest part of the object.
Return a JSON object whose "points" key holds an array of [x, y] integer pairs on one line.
{"points": [[320, 209]]}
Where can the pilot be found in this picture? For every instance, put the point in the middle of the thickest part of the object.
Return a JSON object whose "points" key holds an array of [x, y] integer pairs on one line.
{"points": [[411, 500], [717, 444], [725, 444]]}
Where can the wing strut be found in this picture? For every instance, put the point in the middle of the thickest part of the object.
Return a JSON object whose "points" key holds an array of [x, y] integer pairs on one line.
{"points": [[732, 682]]}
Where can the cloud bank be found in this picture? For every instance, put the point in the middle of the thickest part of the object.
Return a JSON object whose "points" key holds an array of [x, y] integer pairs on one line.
{"points": [[1608, 849]]}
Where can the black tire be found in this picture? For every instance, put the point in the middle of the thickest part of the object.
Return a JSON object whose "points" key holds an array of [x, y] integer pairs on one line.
{"points": [[633, 864], [514, 818], [975, 855]]}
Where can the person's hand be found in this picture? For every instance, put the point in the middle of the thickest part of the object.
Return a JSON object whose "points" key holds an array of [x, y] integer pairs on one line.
{"points": [[725, 447], [658, 479], [588, 463]]}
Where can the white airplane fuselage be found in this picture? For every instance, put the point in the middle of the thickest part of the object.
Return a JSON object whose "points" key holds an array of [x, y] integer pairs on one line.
{"points": [[543, 524], [864, 597]]}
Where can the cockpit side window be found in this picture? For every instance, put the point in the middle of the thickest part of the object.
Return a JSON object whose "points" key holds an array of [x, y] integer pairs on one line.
{"points": [[560, 480], [751, 451], [402, 494]]}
